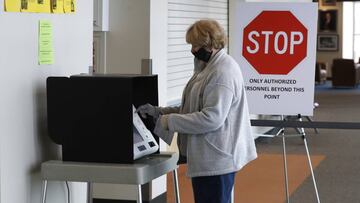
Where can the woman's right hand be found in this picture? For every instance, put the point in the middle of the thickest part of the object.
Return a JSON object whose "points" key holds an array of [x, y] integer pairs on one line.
{"points": [[148, 109]]}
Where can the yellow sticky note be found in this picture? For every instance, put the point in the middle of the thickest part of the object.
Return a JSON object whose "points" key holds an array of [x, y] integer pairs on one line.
{"points": [[57, 6], [46, 58], [29, 6], [73, 6], [46, 50], [43, 6], [12, 5], [67, 6]]}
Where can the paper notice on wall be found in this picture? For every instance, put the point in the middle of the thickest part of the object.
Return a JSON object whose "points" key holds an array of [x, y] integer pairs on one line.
{"points": [[73, 6], [67, 6], [46, 50], [57, 6], [43, 6], [40, 6], [29, 6], [12, 5]]}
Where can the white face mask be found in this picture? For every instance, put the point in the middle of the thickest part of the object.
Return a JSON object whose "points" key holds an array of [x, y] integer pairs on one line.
{"points": [[199, 65]]}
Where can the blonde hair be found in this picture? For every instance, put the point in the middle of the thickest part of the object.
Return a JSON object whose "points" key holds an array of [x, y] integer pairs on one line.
{"points": [[206, 33]]}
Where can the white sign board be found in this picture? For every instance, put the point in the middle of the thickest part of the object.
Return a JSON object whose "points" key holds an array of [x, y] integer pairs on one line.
{"points": [[275, 46]]}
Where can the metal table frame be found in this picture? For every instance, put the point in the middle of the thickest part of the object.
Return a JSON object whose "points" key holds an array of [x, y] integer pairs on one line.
{"points": [[140, 172]]}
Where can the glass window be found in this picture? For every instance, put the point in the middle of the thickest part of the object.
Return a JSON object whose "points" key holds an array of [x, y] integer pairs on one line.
{"points": [[356, 18], [348, 27], [351, 30], [356, 32], [356, 48]]}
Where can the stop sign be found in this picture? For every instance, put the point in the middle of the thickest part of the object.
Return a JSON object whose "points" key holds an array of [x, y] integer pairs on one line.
{"points": [[274, 42]]}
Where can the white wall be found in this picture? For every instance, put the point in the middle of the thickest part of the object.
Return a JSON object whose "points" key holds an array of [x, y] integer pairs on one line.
{"points": [[158, 54], [24, 143], [158, 44], [128, 39], [138, 30]]}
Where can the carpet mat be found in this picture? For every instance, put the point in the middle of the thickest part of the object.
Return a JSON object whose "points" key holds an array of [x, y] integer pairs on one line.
{"points": [[261, 181], [328, 88]]}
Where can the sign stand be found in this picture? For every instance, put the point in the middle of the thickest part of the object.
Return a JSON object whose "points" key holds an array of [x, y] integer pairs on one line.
{"points": [[303, 135]]}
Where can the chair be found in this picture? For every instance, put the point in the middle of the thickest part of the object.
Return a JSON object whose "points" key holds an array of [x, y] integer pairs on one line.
{"points": [[345, 73], [320, 72]]}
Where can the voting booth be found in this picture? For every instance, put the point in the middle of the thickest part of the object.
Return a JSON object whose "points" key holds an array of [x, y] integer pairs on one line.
{"points": [[93, 118]]}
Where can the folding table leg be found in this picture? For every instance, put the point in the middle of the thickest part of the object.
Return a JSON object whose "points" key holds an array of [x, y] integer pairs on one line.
{"points": [[44, 190], [139, 197], [89, 192], [176, 186]]}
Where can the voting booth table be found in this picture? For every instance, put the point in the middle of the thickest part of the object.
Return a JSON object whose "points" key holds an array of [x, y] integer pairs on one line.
{"points": [[139, 173], [103, 139]]}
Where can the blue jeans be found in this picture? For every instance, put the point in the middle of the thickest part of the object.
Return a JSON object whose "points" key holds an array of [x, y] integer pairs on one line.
{"points": [[213, 189]]}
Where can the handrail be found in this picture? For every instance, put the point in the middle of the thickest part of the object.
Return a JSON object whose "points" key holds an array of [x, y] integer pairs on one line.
{"points": [[306, 124]]}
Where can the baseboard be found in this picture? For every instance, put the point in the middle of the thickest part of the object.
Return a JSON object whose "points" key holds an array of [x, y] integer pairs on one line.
{"points": [[159, 199]]}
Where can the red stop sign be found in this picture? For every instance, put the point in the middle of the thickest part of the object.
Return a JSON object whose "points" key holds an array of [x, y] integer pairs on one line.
{"points": [[274, 42]]}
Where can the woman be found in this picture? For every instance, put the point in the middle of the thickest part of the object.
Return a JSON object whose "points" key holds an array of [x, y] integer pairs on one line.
{"points": [[212, 122]]}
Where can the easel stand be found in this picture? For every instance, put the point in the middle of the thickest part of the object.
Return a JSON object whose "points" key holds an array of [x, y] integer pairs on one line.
{"points": [[303, 135]]}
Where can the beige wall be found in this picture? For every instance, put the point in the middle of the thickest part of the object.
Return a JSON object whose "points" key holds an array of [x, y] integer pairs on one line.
{"points": [[24, 140], [327, 56]]}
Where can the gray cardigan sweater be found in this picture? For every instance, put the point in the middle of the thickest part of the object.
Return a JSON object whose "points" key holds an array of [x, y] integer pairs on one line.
{"points": [[213, 121]]}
